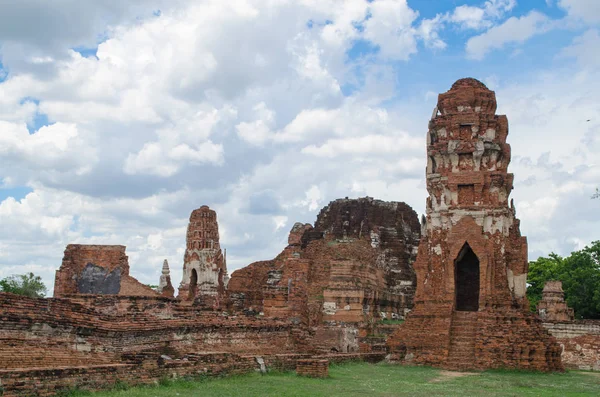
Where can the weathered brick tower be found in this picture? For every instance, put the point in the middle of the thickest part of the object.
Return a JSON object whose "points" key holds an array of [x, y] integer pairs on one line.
{"points": [[204, 266], [553, 308], [470, 309]]}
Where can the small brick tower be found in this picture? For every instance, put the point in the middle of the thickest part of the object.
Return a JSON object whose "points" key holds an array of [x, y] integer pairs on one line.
{"points": [[204, 268], [553, 308], [470, 309], [165, 288]]}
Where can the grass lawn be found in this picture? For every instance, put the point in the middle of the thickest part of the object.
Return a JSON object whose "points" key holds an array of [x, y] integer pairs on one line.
{"points": [[361, 379]]}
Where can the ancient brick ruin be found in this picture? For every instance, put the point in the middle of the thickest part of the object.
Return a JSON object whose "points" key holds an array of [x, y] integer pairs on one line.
{"points": [[351, 269], [470, 309], [313, 368], [553, 308], [204, 266], [97, 269], [579, 339], [323, 297], [165, 288]]}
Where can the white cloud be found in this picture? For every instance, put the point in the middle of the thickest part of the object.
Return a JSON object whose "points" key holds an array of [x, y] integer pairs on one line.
{"points": [[391, 28], [280, 222], [313, 198], [472, 17], [429, 32], [469, 17], [257, 132], [154, 159], [587, 10], [205, 104], [513, 30], [59, 147], [584, 48], [365, 145]]}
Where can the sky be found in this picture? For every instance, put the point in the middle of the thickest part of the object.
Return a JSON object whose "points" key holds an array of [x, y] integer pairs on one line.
{"points": [[117, 119]]}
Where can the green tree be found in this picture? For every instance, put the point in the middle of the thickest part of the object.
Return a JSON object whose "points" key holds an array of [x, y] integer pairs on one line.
{"points": [[24, 284], [540, 271], [580, 275]]}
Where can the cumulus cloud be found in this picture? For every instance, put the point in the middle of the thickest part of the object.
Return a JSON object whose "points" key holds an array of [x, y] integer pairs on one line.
{"points": [[555, 165], [154, 159], [586, 10], [365, 145], [513, 30], [183, 104], [58, 147], [583, 49]]}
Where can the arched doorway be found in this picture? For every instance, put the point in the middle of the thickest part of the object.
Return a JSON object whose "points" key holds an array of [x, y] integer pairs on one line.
{"points": [[466, 280], [193, 285]]}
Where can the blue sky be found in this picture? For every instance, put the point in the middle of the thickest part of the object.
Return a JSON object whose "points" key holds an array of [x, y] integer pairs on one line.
{"points": [[116, 120]]}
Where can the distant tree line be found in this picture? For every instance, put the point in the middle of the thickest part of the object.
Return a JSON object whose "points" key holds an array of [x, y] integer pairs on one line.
{"points": [[24, 284], [580, 275]]}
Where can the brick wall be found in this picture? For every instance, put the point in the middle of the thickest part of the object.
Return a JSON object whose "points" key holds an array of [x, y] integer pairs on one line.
{"points": [[59, 332], [580, 343], [313, 368], [149, 368]]}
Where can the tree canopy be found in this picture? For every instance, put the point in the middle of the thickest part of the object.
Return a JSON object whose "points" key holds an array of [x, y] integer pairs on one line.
{"points": [[24, 284], [580, 275]]}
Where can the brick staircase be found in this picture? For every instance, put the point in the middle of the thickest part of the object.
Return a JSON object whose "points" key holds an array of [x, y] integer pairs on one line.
{"points": [[462, 341]]}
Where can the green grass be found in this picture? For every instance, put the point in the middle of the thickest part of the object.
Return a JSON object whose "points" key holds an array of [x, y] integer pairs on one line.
{"points": [[361, 379]]}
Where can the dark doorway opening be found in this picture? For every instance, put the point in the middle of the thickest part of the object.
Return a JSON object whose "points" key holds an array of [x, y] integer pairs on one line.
{"points": [[193, 285], [466, 279]]}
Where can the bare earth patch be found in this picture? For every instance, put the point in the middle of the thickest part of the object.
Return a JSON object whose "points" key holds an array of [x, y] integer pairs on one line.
{"points": [[448, 375], [595, 374]]}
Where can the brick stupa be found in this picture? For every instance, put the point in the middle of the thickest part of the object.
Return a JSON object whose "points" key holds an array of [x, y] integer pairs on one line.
{"points": [[470, 309], [204, 266], [553, 308]]}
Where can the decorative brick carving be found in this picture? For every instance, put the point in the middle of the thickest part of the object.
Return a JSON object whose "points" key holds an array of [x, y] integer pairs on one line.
{"points": [[470, 309]]}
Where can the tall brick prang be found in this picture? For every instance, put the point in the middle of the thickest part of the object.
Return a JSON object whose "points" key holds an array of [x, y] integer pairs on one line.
{"points": [[204, 267], [470, 310]]}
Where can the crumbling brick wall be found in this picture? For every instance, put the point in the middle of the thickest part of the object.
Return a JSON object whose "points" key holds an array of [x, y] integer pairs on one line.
{"points": [[97, 269], [355, 264], [579, 341], [313, 368], [101, 329]]}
